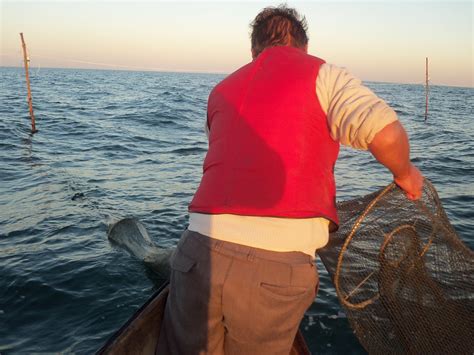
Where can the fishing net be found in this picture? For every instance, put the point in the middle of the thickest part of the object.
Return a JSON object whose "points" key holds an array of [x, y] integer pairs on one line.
{"points": [[403, 276]]}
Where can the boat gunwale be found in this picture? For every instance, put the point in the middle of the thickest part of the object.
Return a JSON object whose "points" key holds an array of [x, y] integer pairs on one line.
{"points": [[110, 342]]}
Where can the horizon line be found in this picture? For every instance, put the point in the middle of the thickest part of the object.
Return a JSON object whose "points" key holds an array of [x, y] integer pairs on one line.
{"points": [[186, 71]]}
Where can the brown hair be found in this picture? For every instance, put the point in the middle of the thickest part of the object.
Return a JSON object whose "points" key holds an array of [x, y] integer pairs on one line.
{"points": [[278, 26]]}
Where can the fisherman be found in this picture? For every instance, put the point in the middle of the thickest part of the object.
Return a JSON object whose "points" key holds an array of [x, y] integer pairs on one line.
{"points": [[243, 273]]}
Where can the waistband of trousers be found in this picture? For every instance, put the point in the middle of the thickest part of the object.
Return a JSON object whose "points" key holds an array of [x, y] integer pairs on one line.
{"points": [[197, 240]]}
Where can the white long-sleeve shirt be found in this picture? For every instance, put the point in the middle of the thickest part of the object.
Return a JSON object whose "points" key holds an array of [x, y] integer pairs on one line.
{"points": [[355, 115]]}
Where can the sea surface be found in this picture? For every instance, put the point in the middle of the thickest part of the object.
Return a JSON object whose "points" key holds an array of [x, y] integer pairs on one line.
{"points": [[115, 144]]}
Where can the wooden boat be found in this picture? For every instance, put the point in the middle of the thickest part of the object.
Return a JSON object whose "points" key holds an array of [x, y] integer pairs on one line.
{"points": [[139, 335]]}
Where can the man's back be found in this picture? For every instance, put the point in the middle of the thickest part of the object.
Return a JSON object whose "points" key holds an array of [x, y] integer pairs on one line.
{"points": [[270, 151]]}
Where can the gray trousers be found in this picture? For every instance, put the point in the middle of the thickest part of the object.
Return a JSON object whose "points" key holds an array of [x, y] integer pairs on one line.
{"points": [[233, 299]]}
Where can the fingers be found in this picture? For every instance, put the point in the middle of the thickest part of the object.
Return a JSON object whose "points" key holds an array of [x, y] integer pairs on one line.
{"points": [[413, 197], [412, 183], [418, 184]]}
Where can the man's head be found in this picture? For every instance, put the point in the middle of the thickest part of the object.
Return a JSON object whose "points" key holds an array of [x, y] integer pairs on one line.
{"points": [[278, 26]]}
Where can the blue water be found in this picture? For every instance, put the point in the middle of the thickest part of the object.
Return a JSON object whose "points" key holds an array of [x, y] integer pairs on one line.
{"points": [[113, 144]]}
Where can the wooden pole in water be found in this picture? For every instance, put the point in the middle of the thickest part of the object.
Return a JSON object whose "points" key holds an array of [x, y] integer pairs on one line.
{"points": [[426, 90], [30, 100]]}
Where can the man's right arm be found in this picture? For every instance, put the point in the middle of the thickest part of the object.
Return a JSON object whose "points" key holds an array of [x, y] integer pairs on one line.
{"points": [[391, 148]]}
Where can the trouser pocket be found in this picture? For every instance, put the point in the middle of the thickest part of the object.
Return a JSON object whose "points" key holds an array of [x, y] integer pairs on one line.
{"points": [[181, 262], [267, 312]]}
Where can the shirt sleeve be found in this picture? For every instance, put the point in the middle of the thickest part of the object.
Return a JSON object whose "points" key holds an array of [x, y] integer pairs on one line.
{"points": [[354, 113]]}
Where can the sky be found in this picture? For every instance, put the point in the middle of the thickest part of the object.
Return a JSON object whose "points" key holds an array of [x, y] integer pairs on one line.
{"points": [[385, 41]]}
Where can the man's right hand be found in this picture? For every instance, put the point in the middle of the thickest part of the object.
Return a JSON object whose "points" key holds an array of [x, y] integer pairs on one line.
{"points": [[411, 183]]}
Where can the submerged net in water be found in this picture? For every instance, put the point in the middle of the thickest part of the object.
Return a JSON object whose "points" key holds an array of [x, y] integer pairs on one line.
{"points": [[403, 276]]}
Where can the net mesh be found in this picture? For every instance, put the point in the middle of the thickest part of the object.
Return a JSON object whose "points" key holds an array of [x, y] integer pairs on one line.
{"points": [[403, 276]]}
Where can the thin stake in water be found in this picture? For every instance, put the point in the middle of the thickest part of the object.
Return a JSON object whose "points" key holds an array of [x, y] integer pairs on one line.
{"points": [[426, 90], [30, 99]]}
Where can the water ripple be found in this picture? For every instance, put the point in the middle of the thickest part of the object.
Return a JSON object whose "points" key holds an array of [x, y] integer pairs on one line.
{"points": [[115, 144]]}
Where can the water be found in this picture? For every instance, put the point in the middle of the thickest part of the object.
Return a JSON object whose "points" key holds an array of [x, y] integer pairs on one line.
{"points": [[114, 144]]}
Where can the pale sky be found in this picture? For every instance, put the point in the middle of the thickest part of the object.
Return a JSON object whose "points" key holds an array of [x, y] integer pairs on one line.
{"points": [[376, 40]]}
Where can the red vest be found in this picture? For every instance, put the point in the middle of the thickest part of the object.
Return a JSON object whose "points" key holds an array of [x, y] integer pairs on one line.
{"points": [[270, 151]]}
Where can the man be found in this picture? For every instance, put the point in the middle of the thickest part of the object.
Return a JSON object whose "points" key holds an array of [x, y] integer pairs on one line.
{"points": [[243, 273]]}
